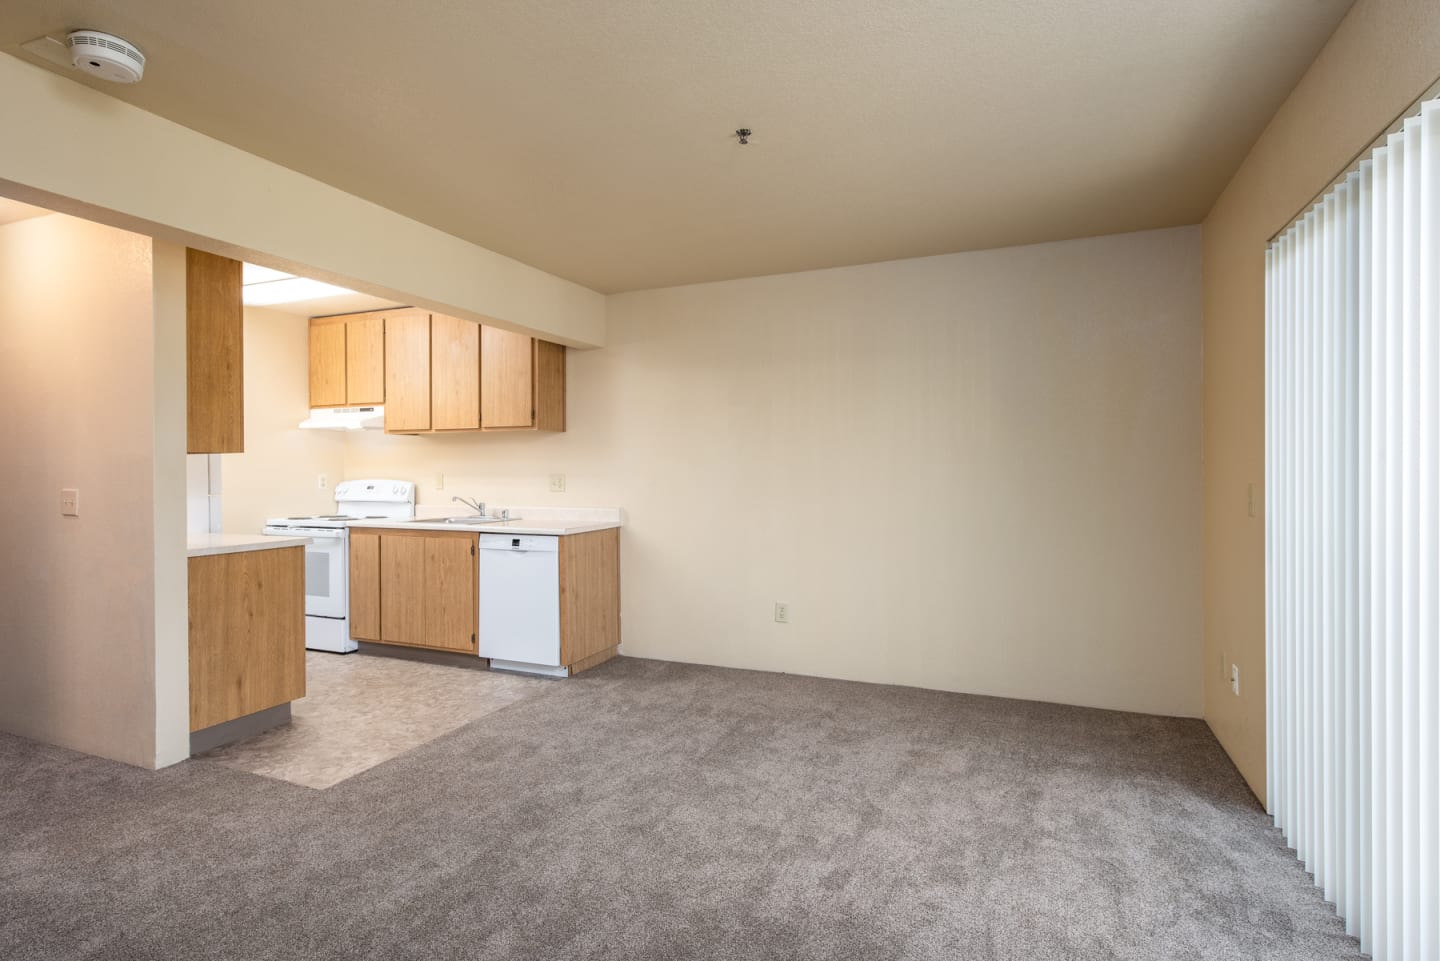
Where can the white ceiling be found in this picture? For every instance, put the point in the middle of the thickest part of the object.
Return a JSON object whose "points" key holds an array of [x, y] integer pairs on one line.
{"points": [[594, 140]]}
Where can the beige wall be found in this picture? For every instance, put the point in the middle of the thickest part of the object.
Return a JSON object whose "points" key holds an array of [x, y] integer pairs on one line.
{"points": [[77, 384], [977, 472], [278, 471], [1384, 54]]}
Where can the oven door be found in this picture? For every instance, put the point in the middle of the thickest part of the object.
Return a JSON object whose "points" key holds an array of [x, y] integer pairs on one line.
{"points": [[327, 583]]}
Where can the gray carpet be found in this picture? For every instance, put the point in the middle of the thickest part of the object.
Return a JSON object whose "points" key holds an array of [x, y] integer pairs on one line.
{"points": [[661, 811]]}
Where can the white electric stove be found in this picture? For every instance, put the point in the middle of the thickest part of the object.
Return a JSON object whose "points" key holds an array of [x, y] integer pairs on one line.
{"points": [[327, 557]]}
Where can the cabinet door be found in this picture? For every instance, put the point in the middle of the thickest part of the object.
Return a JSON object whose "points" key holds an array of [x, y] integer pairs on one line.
{"points": [[214, 348], [507, 396], [327, 363], [364, 585], [454, 373], [365, 360], [402, 588], [407, 372], [451, 585]]}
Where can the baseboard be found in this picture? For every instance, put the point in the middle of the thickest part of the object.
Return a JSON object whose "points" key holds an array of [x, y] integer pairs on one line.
{"points": [[425, 656], [228, 732]]}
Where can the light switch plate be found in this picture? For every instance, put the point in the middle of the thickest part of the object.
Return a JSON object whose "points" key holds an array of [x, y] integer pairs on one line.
{"points": [[70, 502]]}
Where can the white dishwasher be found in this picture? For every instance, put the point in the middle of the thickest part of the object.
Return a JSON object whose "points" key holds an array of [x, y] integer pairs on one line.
{"points": [[520, 603]]}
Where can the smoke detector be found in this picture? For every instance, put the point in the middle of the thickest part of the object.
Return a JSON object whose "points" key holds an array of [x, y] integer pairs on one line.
{"points": [[105, 56]]}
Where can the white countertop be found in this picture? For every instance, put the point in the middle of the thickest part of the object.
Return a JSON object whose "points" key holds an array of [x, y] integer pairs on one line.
{"points": [[544, 521], [202, 545]]}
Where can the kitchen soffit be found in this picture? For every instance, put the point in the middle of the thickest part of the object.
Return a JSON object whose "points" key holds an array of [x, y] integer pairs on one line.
{"points": [[596, 141]]}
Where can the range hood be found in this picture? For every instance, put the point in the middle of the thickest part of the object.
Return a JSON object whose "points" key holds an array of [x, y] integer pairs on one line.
{"points": [[344, 418]]}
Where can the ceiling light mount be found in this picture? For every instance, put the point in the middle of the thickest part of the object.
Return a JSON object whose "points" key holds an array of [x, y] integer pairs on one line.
{"points": [[744, 134]]}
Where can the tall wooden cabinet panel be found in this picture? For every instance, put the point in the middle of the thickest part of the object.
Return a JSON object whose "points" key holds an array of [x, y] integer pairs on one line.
{"points": [[407, 372], [454, 373], [327, 364], [365, 585], [507, 368], [214, 348], [365, 360], [549, 386], [589, 596], [451, 585]]}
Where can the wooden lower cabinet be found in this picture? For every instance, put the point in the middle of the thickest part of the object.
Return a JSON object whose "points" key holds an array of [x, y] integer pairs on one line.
{"points": [[421, 589], [247, 633], [402, 589], [414, 588], [365, 585], [589, 598], [451, 592]]}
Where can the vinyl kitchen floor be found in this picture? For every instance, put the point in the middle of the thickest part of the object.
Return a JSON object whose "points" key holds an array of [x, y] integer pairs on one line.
{"points": [[360, 711]]}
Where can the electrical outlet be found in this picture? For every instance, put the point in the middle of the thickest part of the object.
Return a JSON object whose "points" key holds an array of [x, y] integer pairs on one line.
{"points": [[439, 482], [557, 483], [782, 613], [1235, 679], [321, 481], [70, 502]]}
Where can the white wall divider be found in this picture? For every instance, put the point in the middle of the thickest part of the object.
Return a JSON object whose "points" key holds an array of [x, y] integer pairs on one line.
{"points": [[1352, 546]]}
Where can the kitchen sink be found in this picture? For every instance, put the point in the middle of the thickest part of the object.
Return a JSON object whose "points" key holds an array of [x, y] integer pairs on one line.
{"points": [[467, 520]]}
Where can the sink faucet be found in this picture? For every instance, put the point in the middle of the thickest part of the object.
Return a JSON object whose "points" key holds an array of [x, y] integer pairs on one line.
{"points": [[470, 502]]}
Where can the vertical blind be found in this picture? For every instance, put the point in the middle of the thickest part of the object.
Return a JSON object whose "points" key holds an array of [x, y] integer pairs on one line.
{"points": [[1353, 542]]}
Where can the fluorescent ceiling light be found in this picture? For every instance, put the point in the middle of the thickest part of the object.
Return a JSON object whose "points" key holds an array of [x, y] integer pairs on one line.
{"points": [[288, 290], [255, 274]]}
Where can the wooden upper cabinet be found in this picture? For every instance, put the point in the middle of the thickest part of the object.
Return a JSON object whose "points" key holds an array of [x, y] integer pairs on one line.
{"points": [[407, 372], [327, 363], [522, 382], [507, 389], [347, 360], [215, 361], [437, 373], [365, 360], [454, 373]]}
